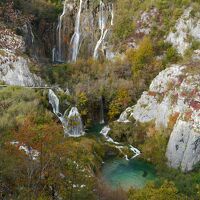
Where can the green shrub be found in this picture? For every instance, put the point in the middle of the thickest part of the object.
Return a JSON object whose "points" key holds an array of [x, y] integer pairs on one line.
{"points": [[154, 149]]}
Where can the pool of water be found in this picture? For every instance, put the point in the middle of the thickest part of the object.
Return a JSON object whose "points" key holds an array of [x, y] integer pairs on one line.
{"points": [[95, 130], [122, 173]]}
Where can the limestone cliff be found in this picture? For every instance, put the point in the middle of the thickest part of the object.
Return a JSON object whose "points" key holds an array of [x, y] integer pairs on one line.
{"points": [[173, 94], [14, 65]]}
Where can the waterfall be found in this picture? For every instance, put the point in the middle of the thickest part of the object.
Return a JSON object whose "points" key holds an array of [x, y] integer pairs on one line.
{"points": [[102, 121], [72, 123], [76, 36], [53, 54], [102, 27], [119, 146], [54, 101], [112, 14], [125, 115], [59, 28], [31, 32]]}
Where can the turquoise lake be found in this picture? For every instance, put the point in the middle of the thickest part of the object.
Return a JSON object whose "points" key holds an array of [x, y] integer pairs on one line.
{"points": [[125, 174]]}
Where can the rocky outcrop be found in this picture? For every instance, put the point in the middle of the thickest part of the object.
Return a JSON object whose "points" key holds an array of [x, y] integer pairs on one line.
{"points": [[37, 31], [14, 66], [187, 27], [173, 98]]}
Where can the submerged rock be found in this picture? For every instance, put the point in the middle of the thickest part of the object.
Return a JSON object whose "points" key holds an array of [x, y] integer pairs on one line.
{"points": [[174, 93]]}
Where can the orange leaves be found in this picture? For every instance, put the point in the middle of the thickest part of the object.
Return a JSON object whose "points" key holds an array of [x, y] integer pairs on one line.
{"points": [[33, 134]]}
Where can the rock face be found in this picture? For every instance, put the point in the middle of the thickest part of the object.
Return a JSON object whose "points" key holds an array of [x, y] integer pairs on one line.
{"points": [[185, 27], [173, 98], [14, 67]]}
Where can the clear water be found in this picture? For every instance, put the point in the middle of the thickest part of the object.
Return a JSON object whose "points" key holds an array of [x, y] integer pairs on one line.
{"points": [[95, 130], [125, 174]]}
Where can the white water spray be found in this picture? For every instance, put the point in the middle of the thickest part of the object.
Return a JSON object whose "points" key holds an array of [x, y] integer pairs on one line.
{"points": [[112, 14], [102, 27], [72, 123], [119, 146], [75, 40]]}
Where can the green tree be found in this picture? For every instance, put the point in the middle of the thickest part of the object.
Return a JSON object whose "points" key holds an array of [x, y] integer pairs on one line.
{"points": [[121, 101], [154, 148], [141, 56], [151, 192], [83, 107]]}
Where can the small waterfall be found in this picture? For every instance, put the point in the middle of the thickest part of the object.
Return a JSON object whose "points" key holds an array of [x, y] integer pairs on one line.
{"points": [[54, 101], [102, 27], [125, 115], [119, 146], [76, 36], [59, 28], [53, 54], [29, 27], [102, 121], [72, 123], [29, 35]]}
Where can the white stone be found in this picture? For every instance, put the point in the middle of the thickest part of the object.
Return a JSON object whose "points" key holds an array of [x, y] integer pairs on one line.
{"points": [[185, 27]]}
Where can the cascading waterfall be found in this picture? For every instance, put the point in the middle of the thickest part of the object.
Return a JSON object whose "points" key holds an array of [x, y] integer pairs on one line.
{"points": [[75, 40], [72, 123], [112, 14], [119, 146], [59, 28], [102, 121], [102, 27], [54, 101]]}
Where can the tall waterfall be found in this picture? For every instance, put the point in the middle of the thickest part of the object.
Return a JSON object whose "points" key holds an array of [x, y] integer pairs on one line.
{"points": [[76, 36], [72, 123], [112, 14], [102, 27], [59, 28]]}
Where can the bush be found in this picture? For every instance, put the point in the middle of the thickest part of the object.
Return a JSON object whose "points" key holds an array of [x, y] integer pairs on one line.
{"points": [[120, 102], [142, 56], [154, 149], [171, 55], [151, 192]]}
